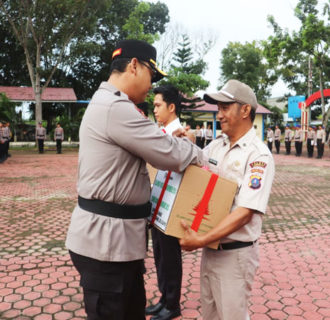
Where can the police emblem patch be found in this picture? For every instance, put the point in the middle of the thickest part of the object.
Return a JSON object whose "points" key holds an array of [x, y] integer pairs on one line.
{"points": [[255, 182]]}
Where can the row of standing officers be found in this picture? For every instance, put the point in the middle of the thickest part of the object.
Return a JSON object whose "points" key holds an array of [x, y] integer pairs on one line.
{"points": [[41, 137], [203, 136], [315, 137]]}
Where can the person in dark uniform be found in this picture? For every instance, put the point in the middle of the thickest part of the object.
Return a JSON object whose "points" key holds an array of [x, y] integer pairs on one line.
{"points": [[167, 250], [107, 233], [40, 136], [59, 137]]}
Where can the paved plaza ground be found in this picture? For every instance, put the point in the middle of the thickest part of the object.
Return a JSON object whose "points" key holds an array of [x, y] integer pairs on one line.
{"points": [[37, 280]]}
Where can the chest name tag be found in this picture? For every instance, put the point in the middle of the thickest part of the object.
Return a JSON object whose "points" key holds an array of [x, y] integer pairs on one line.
{"points": [[212, 161]]}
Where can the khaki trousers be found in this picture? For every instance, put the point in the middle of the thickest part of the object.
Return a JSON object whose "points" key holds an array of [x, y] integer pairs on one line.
{"points": [[226, 282]]}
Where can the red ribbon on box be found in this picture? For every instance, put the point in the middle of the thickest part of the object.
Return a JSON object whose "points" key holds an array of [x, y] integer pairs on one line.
{"points": [[202, 207], [160, 197]]}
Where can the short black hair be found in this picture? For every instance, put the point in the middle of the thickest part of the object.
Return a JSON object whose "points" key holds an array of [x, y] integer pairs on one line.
{"points": [[170, 95], [119, 65], [252, 114]]}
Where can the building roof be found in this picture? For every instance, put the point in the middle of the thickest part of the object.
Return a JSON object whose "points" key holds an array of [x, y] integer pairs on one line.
{"points": [[20, 94], [207, 107]]}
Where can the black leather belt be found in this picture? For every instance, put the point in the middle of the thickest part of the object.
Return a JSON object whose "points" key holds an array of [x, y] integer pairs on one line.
{"points": [[235, 245], [115, 210]]}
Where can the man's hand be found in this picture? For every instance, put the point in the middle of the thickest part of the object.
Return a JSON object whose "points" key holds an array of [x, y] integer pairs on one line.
{"points": [[180, 133], [191, 240]]}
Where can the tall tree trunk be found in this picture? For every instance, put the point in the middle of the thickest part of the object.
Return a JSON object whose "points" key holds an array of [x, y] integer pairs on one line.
{"points": [[325, 115], [38, 90]]}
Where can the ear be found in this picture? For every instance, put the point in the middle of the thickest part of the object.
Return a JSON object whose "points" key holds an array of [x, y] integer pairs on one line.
{"points": [[246, 109], [171, 108], [133, 65]]}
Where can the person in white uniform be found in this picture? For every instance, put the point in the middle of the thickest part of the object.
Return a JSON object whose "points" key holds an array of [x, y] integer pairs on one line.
{"points": [[227, 273], [167, 250]]}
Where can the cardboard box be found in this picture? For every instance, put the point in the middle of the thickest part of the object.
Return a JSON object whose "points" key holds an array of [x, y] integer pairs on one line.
{"points": [[197, 196]]}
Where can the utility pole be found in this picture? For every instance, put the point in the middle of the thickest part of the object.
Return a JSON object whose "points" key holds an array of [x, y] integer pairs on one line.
{"points": [[310, 86]]}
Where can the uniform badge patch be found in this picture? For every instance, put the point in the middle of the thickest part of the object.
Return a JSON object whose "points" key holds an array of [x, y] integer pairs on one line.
{"points": [[257, 170], [255, 182], [258, 164]]}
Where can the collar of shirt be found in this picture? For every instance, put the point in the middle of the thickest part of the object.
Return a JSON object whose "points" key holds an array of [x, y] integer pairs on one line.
{"points": [[244, 141], [172, 126]]}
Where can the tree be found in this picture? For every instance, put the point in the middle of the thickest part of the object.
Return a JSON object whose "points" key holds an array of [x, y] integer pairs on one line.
{"points": [[289, 53], [185, 72], [90, 62], [44, 29], [87, 57], [246, 63]]}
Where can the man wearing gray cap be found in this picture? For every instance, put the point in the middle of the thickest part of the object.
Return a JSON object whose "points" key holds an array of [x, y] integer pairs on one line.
{"points": [[107, 233], [227, 273]]}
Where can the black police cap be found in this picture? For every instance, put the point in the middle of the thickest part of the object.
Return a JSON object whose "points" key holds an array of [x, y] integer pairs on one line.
{"points": [[142, 51]]}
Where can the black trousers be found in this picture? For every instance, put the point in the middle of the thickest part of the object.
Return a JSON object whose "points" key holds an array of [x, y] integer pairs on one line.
{"points": [[277, 146], [270, 145], [7, 147], [310, 148], [298, 146], [199, 142], [320, 148], [41, 145], [112, 290], [168, 261], [2, 152], [207, 141], [58, 145], [288, 147]]}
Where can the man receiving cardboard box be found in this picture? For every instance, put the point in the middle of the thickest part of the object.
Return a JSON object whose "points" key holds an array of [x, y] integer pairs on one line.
{"points": [[227, 273], [167, 250]]}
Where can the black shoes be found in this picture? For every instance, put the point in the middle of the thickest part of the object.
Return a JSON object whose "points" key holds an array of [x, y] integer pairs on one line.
{"points": [[165, 314], [154, 308]]}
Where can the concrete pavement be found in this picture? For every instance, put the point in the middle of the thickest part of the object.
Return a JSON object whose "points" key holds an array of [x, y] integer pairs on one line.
{"points": [[37, 280]]}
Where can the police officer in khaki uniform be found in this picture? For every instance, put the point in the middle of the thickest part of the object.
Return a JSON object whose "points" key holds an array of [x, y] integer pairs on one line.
{"points": [[59, 137], [298, 140], [239, 155], [320, 140], [40, 136], [107, 233], [7, 136], [287, 139], [208, 135], [277, 139], [270, 138], [311, 141], [198, 134], [2, 145]]}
